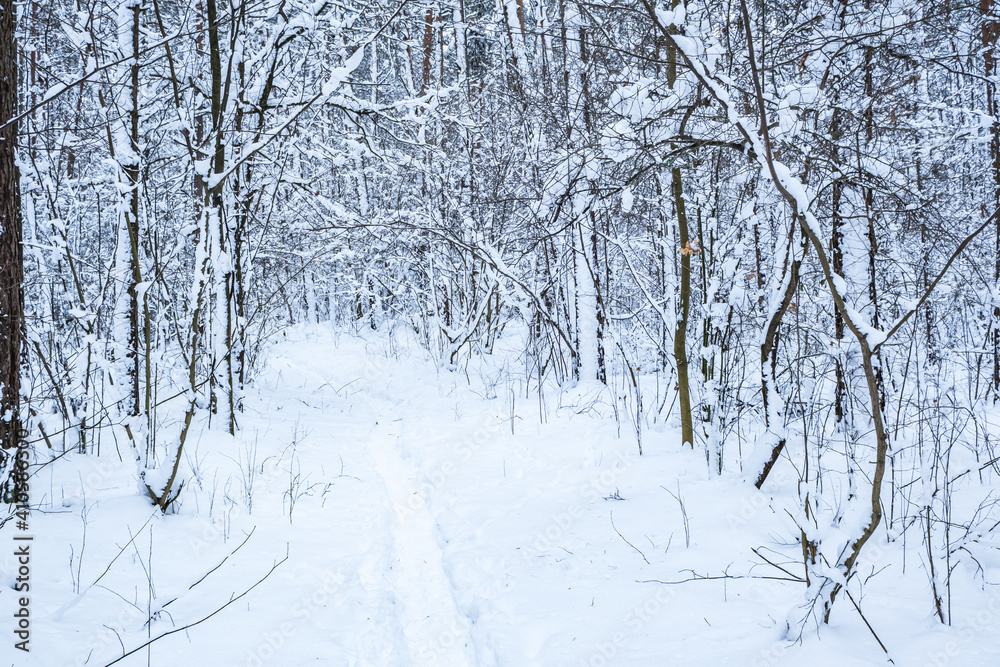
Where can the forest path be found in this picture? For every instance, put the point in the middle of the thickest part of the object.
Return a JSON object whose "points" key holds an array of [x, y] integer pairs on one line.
{"points": [[407, 569], [436, 632]]}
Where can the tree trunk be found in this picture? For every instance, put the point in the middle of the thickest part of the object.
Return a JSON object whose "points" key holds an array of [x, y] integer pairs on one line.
{"points": [[131, 170], [11, 253], [223, 249], [991, 28], [837, 250], [425, 81], [680, 328]]}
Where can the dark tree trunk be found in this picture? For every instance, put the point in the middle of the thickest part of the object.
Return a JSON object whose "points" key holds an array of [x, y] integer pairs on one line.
{"points": [[990, 30], [11, 253]]}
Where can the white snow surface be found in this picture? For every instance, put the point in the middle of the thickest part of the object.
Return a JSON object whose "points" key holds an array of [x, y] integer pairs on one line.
{"points": [[438, 522]]}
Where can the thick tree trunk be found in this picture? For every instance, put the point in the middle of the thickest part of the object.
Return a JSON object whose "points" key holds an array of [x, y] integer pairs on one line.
{"points": [[991, 28], [11, 252], [428, 52]]}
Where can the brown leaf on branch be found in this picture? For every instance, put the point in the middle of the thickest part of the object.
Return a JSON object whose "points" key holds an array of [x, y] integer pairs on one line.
{"points": [[690, 249]]}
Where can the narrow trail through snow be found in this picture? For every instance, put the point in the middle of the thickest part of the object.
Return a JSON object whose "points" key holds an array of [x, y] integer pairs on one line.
{"points": [[434, 632]]}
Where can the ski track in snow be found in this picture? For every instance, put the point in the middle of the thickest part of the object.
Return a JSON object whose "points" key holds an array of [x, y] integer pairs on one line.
{"points": [[436, 633], [433, 630]]}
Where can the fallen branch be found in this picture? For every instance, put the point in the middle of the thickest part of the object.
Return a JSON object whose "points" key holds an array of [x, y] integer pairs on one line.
{"points": [[202, 620], [626, 541], [210, 571], [870, 628]]}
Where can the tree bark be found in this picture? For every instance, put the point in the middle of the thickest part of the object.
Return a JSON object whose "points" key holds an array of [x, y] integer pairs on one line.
{"points": [[991, 28], [11, 251], [131, 170], [680, 330], [685, 249], [222, 244], [837, 250]]}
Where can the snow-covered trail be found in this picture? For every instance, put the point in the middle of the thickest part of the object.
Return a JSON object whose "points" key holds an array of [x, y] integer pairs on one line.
{"points": [[436, 633], [431, 630]]}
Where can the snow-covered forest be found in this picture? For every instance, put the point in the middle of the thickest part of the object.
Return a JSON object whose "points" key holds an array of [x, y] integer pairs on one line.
{"points": [[499, 332]]}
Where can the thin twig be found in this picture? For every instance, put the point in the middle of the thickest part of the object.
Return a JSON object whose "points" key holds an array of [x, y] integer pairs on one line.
{"points": [[69, 605], [775, 565], [626, 541], [684, 514], [870, 628], [714, 577], [191, 625], [220, 564]]}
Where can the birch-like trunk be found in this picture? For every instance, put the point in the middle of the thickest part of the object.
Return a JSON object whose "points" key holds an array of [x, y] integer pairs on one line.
{"points": [[589, 334], [128, 272], [222, 250]]}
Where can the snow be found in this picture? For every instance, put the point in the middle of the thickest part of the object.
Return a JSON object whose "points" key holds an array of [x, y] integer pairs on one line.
{"points": [[627, 200], [417, 522]]}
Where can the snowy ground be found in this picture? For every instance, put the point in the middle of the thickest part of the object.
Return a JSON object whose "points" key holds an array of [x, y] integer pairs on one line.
{"points": [[417, 517]]}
